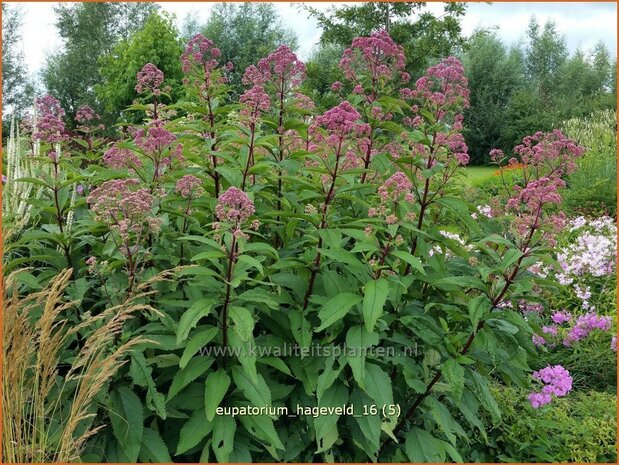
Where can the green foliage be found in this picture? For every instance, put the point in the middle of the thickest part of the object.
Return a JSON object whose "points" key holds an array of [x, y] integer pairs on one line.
{"points": [[591, 363], [16, 88], [593, 188], [89, 31], [530, 87], [252, 231], [494, 74], [581, 427], [245, 33], [157, 42]]}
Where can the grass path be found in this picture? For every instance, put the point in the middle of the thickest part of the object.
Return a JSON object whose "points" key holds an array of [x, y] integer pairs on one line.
{"points": [[475, 174]]}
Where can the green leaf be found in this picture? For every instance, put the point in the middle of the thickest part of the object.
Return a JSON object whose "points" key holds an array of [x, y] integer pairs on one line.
{"points": [[196, 367], [127, 418], [454, 374], [193, 431], [153, 448], [377, 385], [224, 428], [478, 307], [215, 389], [250, 262], [243, 322], [359, 339], [262, 427], [256, 391], [374, 298], [142, 376], [421, 447], [197, 341], [191, 317], [413, 261], [335, 309]]}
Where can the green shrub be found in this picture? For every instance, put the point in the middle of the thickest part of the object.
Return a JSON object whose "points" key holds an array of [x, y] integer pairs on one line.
{"points": [[581, 427], [593, 188]]}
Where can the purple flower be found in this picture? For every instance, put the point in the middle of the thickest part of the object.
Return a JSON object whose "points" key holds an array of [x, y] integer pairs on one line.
{"points": [[234, 206], [50, 124], [189, 187], [149, 79], [556, 381]]}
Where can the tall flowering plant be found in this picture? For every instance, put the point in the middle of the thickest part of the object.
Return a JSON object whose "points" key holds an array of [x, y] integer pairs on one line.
{"points": [[310, 261]]}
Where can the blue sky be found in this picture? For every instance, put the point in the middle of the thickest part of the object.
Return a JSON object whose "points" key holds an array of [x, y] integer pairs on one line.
{"points": [[582, 24]]}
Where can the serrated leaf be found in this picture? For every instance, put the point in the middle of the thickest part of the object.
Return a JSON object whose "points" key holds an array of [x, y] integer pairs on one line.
{"points": [[359, 339], [193, 431], [190, 318], [374, 298], [262, 427], [421, 447], [153, 449], [215, 389], [478, 307], [224, 428], [197, 341], [243, 322], [335, 309], [377, 385], [127, 418], [413, 261], [256, 391], [196, 367], [454, 375]]}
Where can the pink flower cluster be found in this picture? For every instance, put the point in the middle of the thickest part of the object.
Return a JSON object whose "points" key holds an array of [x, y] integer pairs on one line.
{"points": [[189, 187], [202, 52], [554, 153], [120, 158], [443, 86], [50, 124], [341, 120], [234, 206], [576, 331], [149, 79], [155, 140], [454, 141], [255, 101], [396, 188], [585, 324], [282, 67], [124, 206], [377, 56], [86, 114], [556, 381]]}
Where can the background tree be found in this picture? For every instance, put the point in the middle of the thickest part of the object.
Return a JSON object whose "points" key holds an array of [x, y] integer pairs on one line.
{"points": [[426, 38], [494, 74], [89, 31], [17, 89], [246, 33], [159, 43]]}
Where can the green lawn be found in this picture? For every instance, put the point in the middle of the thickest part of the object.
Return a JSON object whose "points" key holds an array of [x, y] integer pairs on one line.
{"points": [[475, 174]]}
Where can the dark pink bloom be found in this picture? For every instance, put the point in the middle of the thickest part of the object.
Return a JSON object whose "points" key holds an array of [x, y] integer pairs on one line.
{"points": [[234, 206], [189, 187], [50, 125], [149, 79]]}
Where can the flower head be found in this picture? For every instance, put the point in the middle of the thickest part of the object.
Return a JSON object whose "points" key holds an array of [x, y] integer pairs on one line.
{"points": [[189, 187], [234, 206], [149, 79], [50, 124]]}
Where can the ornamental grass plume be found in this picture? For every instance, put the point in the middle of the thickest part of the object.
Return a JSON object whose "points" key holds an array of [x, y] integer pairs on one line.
{"points": [[38, 425]]}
